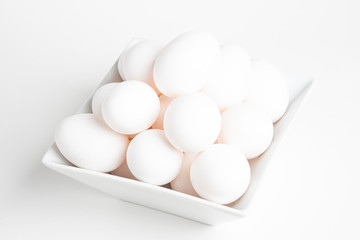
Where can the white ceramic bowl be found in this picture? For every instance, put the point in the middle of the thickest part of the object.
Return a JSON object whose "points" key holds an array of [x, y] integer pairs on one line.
{"points": [[170, 201]]}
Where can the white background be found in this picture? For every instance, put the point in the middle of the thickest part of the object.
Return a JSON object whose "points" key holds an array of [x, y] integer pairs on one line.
{"points": [[54, 53]]}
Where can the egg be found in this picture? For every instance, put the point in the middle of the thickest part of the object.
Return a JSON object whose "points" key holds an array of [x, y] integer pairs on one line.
{"points": [[99, 97], [89, 144], [164, 103], [192, 122], [152, 159], [229, 84], [268, 89], [220, 174], [123, 54], [137, 62], [123, 171], [131, 107], [248, 128], [182, 182], [185, 64]]}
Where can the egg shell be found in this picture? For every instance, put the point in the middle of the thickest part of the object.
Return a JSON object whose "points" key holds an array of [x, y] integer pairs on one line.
{"points": [[192, 122], [89, 144], [268, 89], [220, 174], [185, 64], [131, 107], [182, 182], [152, 159], [229, 84], [138, 62], [99, 97], [248, 128], [164, 103], [123, 171], [123, 55]]}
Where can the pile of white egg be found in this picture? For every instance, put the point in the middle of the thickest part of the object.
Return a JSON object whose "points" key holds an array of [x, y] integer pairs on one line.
{"points": [[191, 113]]}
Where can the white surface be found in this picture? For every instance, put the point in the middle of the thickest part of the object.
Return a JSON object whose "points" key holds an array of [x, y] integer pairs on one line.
{"points": [[54, 55]]}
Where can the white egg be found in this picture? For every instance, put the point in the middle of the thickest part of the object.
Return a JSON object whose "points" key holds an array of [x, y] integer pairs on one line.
{"points": [[152, 159], [123, 171], [138, 61], [192, 122], [182, 182], [229, 84], [89, 144], [185, 64], [123, 55], [131, 107], [247, 127], [268, 89], [220, 174], [164, 103], [99, 97]]}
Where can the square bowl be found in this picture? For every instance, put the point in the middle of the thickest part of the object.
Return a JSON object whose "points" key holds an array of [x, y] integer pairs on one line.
{"points": [[170, 201]]}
